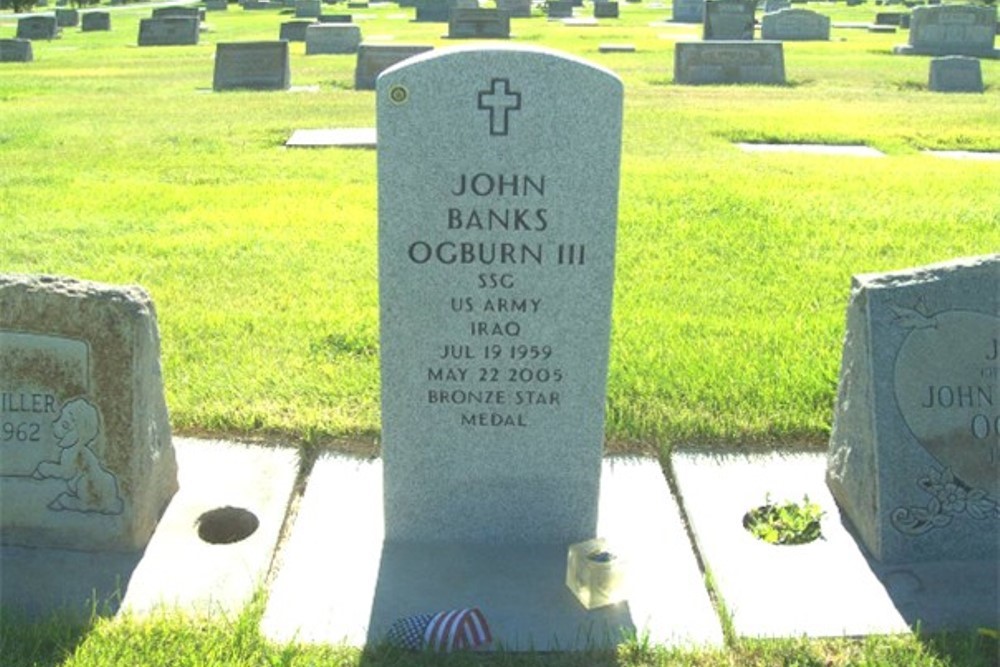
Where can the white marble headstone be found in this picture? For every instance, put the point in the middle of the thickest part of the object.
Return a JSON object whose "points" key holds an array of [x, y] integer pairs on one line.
{"points": [[496, 256]]}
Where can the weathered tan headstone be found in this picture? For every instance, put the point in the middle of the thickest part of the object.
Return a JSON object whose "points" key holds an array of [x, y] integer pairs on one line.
{"points": [[86, 459]]}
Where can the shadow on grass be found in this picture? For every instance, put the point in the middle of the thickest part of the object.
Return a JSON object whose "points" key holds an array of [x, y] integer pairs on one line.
{"points": [[26, 641]]}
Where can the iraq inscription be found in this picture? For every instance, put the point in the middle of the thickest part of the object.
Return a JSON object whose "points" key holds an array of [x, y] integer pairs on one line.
{"points": [[915, 449], [496, 257]]}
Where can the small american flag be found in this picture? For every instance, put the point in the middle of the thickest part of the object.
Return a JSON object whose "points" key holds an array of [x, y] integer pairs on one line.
{"points": [[444, 631]]}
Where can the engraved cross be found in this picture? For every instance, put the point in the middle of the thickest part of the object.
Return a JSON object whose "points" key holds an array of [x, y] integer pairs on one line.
{"points": [[499, 104]]}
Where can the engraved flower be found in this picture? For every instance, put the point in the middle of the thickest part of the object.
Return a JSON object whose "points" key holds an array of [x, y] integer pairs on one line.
{"points": [[949, 492]]}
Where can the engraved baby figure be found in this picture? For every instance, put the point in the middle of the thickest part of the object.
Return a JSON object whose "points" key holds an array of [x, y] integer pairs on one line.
{"points": [[89, 486]]}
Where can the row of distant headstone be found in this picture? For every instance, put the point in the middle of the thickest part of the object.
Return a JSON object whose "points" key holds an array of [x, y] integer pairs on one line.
{"points": [[959, 33], [728, 54]]}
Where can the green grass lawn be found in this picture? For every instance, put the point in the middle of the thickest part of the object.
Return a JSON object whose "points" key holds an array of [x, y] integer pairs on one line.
{"points": [[118, 164], [733, 269]]}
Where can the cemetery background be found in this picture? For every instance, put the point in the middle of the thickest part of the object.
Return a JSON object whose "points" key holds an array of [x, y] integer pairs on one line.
{"points": [[732, 271]]}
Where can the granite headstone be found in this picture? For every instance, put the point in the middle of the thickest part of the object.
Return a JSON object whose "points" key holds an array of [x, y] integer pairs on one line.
{"points": [[760, 62], [252, 65], [605, 10], [688, 11], [37, 27], [478, 24], [914, 458], [795, 25], [95, 21], [86, 458], [373, 59], [496, 257], [322, 38], [308, 8], [956, 74], [729, 20], [67, 18], [560, 9], [171, 31], [294, 31], [16, 51], [945, 30], [516, 9]]}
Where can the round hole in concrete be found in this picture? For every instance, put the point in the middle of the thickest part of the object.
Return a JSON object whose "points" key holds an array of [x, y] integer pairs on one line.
{"points": [[226, 525]]}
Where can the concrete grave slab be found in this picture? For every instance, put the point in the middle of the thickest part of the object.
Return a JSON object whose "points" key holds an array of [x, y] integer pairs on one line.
{"points": [[357, 137], [177, 567], [826, 588], [338, 581], [813, 149], [226, 490], [966, 155]]}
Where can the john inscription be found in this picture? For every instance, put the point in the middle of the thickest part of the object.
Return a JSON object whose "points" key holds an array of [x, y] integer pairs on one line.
{"points": [[501, 384], [946, 389]]}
